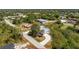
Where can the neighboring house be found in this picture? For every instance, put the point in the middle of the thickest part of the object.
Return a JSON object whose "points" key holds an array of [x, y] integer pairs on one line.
{"points": [[8, 46], [72, 21], [21, 15], [62, 17], [11, 17], [43, 21], [25, 26], [63, 21], [36, 13]]}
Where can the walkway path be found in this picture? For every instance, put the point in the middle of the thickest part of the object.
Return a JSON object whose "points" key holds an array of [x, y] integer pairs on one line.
{"points": [[46, 40], [8, 22]]}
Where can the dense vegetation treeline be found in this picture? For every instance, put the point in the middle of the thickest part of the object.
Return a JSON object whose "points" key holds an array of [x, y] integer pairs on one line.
{"points": [[8, 34], [37, 10], [63, 38]]}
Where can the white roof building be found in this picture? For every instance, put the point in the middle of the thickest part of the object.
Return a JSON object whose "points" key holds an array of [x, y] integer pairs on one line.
{"points": [[63, 21], [42, 20]]}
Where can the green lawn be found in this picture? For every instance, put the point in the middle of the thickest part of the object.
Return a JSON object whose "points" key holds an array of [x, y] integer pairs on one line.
{"points": [[66, 25]]}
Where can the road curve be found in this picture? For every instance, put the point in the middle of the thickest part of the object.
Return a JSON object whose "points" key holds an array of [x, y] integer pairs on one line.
{"points": [[46, 40], [8, 22], [33, 41], [45, 34]]}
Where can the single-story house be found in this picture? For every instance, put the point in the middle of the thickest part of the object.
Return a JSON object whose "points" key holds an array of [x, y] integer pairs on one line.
{"points": [[42, 20], [63, 21], [25, 26], [72, 21]]}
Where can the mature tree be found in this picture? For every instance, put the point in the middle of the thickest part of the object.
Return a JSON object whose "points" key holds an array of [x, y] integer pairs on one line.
{"points": [[34, 29], [8, 35]]}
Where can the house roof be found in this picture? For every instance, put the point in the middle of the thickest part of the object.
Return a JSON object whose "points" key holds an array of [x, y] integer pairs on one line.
{"points": [[42, 20], [8, 46], [26, 24]]}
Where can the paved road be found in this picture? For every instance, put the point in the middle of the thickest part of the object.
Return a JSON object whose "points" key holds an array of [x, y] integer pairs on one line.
{"points": [[46, 40], [33, 41], [8, 22]]}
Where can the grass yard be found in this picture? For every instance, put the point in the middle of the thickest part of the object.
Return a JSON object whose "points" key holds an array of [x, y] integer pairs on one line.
{"points": [[66, 25]]}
